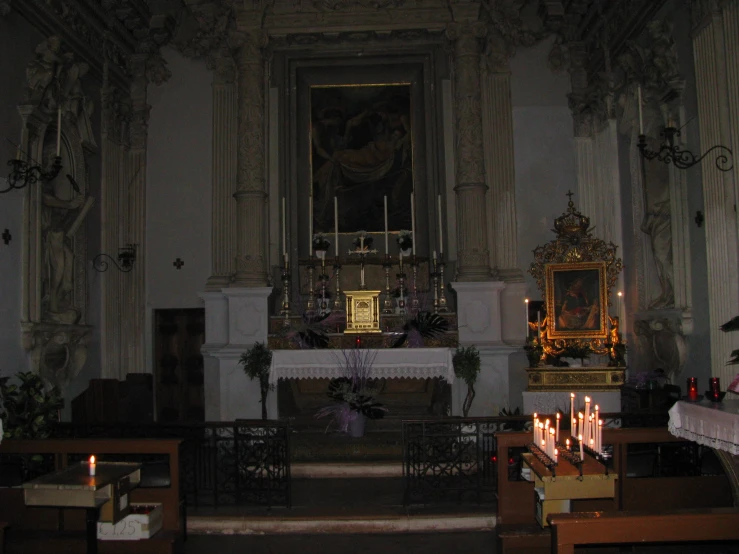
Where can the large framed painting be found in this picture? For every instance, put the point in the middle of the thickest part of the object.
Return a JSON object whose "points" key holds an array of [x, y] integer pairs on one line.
{"points": [[577, 300], [361, 151]]}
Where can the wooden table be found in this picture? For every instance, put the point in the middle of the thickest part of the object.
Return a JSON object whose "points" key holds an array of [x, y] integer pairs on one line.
{"points": [[104, 496]]}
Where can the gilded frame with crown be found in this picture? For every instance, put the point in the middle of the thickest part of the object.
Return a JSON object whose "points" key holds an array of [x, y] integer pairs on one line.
{"points": [[576, 300]]}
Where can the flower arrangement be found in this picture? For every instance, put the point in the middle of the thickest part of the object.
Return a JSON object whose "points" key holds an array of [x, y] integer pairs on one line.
{"points": [[405, 240], [320, 242], [362, 241], [534, 352], [353, 393]]}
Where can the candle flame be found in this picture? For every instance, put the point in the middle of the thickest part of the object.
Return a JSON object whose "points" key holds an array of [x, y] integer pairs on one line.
{"points": [[587, 399], [551, 430], [558, 416], [620, 293], [526, 300], [567, 442], [92, 459]]}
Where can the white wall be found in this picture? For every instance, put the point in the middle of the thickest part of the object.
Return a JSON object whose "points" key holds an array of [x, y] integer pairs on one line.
{"points": [[178, 206], [543, 141], [178, 210]]}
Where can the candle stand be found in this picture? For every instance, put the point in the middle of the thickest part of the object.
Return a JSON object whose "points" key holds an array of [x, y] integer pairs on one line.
{"points": [[401, 289], [543, 457], [323, 277], [387, 306], [443, 307], [311, 305], [414, 299], [285, 309], [435, 279], [338, 304]]}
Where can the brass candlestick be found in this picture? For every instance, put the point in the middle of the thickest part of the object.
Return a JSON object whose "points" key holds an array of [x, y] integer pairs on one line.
{"points": [[311, 306], [388, 304], [286, 295], [435, 277], [338, 304], [323, 307], [414, 298], [401, 288], [443, 307]]}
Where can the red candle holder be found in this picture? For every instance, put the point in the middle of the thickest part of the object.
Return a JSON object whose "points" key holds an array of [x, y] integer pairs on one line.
{"points": [[692, 388], [714, 388]]}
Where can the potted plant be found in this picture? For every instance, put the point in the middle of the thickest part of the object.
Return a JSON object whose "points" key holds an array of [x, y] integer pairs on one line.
{"points": [[424, 325], [353, 394], [320, 245], [466, 363], [28, 408], [405, 242], [257, 361], [575, 351], [732, 325], [534, 352]]}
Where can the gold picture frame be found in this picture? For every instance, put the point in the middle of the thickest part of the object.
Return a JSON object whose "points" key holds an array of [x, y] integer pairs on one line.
{"points": [[577, 300]]}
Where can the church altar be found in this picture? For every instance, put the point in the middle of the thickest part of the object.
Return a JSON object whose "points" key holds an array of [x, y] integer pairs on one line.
{"points": [[389, 363]]}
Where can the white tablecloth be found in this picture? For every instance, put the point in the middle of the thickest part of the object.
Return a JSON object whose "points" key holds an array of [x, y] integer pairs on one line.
{"points": [[707, 423], [389, 363]]}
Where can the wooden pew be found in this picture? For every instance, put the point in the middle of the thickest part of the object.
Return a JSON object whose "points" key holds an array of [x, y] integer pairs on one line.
{"points": [[590, 528], [19, 517]]}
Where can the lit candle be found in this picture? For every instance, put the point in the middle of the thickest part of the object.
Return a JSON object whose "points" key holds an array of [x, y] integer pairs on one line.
{"points": [[441, 231], [586, 434], [413, 225], [526, 315], [592, 444], [387, 250], [595, 421], [600, 436], [550, 442], [579, 438], [619, 295], [572, 406], [641, 115], [580, 426], [556, 455], [336, 226], [556, 436], [536, 428], [310, 225], [59, 133], [284, 229], [92, 466], [567, 444]]}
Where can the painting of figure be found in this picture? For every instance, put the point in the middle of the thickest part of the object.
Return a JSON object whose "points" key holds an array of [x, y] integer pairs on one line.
{"points": [[577, 300], [361, 151]]}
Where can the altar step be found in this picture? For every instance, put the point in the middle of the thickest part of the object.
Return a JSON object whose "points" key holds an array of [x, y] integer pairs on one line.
{"points": [[342, 504]]}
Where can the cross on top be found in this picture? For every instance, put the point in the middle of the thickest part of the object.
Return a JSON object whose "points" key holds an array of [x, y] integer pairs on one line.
{"points": [[570, 194], [178, 263], [6, 236]]}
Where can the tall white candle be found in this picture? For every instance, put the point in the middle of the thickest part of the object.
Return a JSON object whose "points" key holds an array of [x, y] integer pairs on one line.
{"points": [[641, 115], [526, 315], [556, 435], [310, 225], [336, 226], [413, 224], [550, 442], [441, 231], [595, 424], [600, 435], [586, 434], [579, 438], [387, 250], [59, 132], [572, 406], [284, 229]]}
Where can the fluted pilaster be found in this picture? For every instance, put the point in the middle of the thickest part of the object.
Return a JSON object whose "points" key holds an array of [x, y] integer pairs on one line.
{"points": [[251, 236], [715, 73], [225, 113], [473, 256], [497, 125]]}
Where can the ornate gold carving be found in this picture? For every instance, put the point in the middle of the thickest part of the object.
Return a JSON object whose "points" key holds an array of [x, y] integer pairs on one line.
{"points": [[567, 378], [362, 311]]}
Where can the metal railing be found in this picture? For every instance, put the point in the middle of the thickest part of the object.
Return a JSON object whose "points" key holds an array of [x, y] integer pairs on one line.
{"points": [[223, 463]]}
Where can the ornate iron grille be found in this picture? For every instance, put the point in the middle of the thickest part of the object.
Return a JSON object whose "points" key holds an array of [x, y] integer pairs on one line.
{"points": [[228, 463]]}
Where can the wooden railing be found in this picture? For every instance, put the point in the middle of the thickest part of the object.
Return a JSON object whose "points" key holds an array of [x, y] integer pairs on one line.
{"points": [[590, 528]]}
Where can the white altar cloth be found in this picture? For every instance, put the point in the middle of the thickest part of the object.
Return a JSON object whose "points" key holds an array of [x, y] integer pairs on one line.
{"points": [[389, 363], [707, 423]]}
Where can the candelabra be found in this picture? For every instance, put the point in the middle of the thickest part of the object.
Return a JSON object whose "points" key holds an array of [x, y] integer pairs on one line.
{"points": [[435, 278], [401, 289], [443, 306], [124, 263], [414, 299], [311, 305], [388, 304], [22, 173], [670, 152], [285, 311], [323, 308], [338, 304]]}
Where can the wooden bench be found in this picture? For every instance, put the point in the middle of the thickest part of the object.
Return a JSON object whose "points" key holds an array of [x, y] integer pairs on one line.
{"points": [[591, 528], [21, 518]]}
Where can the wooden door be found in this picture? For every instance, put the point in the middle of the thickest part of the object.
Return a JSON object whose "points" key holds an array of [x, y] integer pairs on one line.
{"points": [[178, 364]]}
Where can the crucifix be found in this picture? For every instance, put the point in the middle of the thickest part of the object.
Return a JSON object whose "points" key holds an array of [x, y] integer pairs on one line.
{"points": [[362, 250]]}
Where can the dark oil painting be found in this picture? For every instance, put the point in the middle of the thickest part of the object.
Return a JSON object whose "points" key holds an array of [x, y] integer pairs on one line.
{"points": [[361, 150]]}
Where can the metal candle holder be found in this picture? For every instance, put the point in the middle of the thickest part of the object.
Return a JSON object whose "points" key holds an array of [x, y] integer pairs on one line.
{"points": [[285, 311], [401, 288], [338, 304], [311, 305], [414, 298], [435, 279], [22, 173], [443, 307], [388, 304], [323, 308]]}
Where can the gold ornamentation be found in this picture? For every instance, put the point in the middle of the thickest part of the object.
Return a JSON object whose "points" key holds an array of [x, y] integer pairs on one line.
{"points": [[362, 311], [568, 378]]}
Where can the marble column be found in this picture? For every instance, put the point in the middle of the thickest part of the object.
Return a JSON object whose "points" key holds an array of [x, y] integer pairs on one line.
{"points": [[251, 235], [497, 126], [223, 226], [473, 256], [715, 56]]}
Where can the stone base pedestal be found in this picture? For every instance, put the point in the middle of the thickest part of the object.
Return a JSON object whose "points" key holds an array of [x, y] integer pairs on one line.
{"points": [[235, 319], [548, 402]]}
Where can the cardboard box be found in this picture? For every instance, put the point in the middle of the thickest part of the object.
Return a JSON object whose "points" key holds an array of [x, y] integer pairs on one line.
{"points": [[134, 526]]}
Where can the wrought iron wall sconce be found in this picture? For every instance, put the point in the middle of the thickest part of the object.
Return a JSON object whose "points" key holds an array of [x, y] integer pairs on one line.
{"points": [[23, 173], [670, 152], [124, 263]]}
